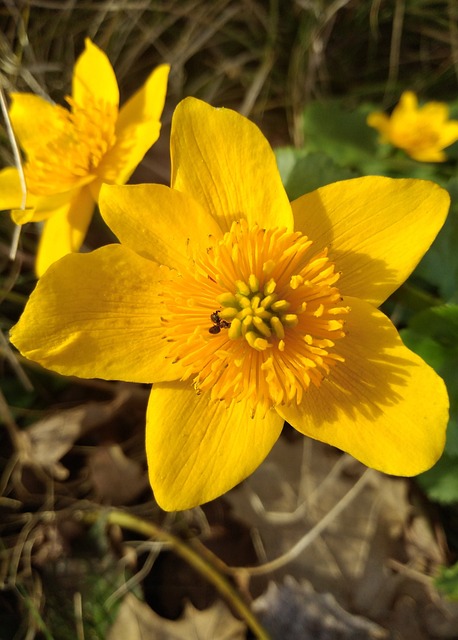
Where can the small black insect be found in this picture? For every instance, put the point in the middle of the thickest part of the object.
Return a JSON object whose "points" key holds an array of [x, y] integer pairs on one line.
{"points": [[218, 323], [214, 329]]}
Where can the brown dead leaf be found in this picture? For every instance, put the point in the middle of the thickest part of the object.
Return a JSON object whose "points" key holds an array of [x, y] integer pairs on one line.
{"points": [[376, 557], [137, 621], [116, 478], [53, 437], [297, 612]]}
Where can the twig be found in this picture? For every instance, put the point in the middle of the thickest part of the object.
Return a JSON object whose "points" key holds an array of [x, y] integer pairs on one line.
{"points": [[395, 50], [281, 517], [409, 572], [154, 549], [78, 608], [311, 535], [206, 564]]}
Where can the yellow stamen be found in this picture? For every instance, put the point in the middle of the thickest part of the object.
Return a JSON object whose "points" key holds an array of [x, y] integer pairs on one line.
{"points": [[75, 148], [273, 330]]}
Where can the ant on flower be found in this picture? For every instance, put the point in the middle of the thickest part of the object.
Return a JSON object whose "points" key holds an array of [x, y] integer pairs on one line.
{"points": [[218, 323]]}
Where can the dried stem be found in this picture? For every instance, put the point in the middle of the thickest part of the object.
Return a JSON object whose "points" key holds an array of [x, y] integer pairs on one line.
{"points": [[206, 564], [18, 162], [311, 535]]}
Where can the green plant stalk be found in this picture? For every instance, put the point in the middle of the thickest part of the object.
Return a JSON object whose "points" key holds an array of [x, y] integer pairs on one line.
{"points": [[417, 298], [13, 296], [206, 566], [34, 613]]}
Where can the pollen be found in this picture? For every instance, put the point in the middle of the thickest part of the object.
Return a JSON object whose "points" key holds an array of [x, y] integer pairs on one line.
{"points": [[257, 317], [74, 149]]}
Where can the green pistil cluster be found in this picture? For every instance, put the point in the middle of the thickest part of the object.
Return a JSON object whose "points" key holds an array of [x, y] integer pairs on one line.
{"points": [[256, 315]]}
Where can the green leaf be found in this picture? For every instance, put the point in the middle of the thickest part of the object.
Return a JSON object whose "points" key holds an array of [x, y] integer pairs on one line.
{"points": [[340, 133], [447, 581], [287, 158], [93, 572], [439, 266], [433, 334], [439, 323], [303, 172], [441, 482], [343, 135]]}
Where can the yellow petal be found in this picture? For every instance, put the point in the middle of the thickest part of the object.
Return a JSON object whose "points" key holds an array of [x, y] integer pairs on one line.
{"points": [[431, 154], [408, 102], [64, 231], [449, 133], [97, 315], [157, 222], [25, 127], [436, 113], [137, 128], [120, 162], [93, 76], [38, 208], [41, 208], [11, 193], [377, 229], [383, 405], [381, 122], [45, 206], [225, 163], [147, 103], [198, 449]]}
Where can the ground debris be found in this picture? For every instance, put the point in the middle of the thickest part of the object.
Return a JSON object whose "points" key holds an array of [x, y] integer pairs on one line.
{"points": [[136, 620], [296, 611], [53, 436], [116, 478], [378, 557]]}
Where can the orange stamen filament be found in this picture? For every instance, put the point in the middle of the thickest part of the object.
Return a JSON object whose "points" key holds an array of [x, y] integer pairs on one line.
{"points": [[256, 318]]}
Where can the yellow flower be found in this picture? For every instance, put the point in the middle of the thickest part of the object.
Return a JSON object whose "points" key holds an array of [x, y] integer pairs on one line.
{"points": [[245, 310], [71, 152], [422, 132]]}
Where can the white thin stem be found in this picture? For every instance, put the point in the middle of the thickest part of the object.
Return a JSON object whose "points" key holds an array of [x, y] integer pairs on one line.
{"points": [[18, 163], [311, 535]]}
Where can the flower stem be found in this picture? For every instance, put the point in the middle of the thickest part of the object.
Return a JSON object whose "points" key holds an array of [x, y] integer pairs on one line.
{"points": [[205, 565], [417, 298]]}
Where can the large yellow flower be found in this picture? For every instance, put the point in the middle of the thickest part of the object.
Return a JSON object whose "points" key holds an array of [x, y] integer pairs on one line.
{"points": [[245, 310], [422, 132], [71, 152]]}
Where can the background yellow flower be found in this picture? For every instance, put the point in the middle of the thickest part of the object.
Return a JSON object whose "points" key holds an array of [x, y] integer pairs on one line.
{"points": [[71, 151], [422, 132]]}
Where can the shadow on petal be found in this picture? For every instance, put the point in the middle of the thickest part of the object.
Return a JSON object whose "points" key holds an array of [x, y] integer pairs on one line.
{"points": [[383, 405]]}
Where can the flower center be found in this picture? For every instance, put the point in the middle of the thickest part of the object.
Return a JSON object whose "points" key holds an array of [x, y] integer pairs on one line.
{"points": [[256, 317], [72, 148]]}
